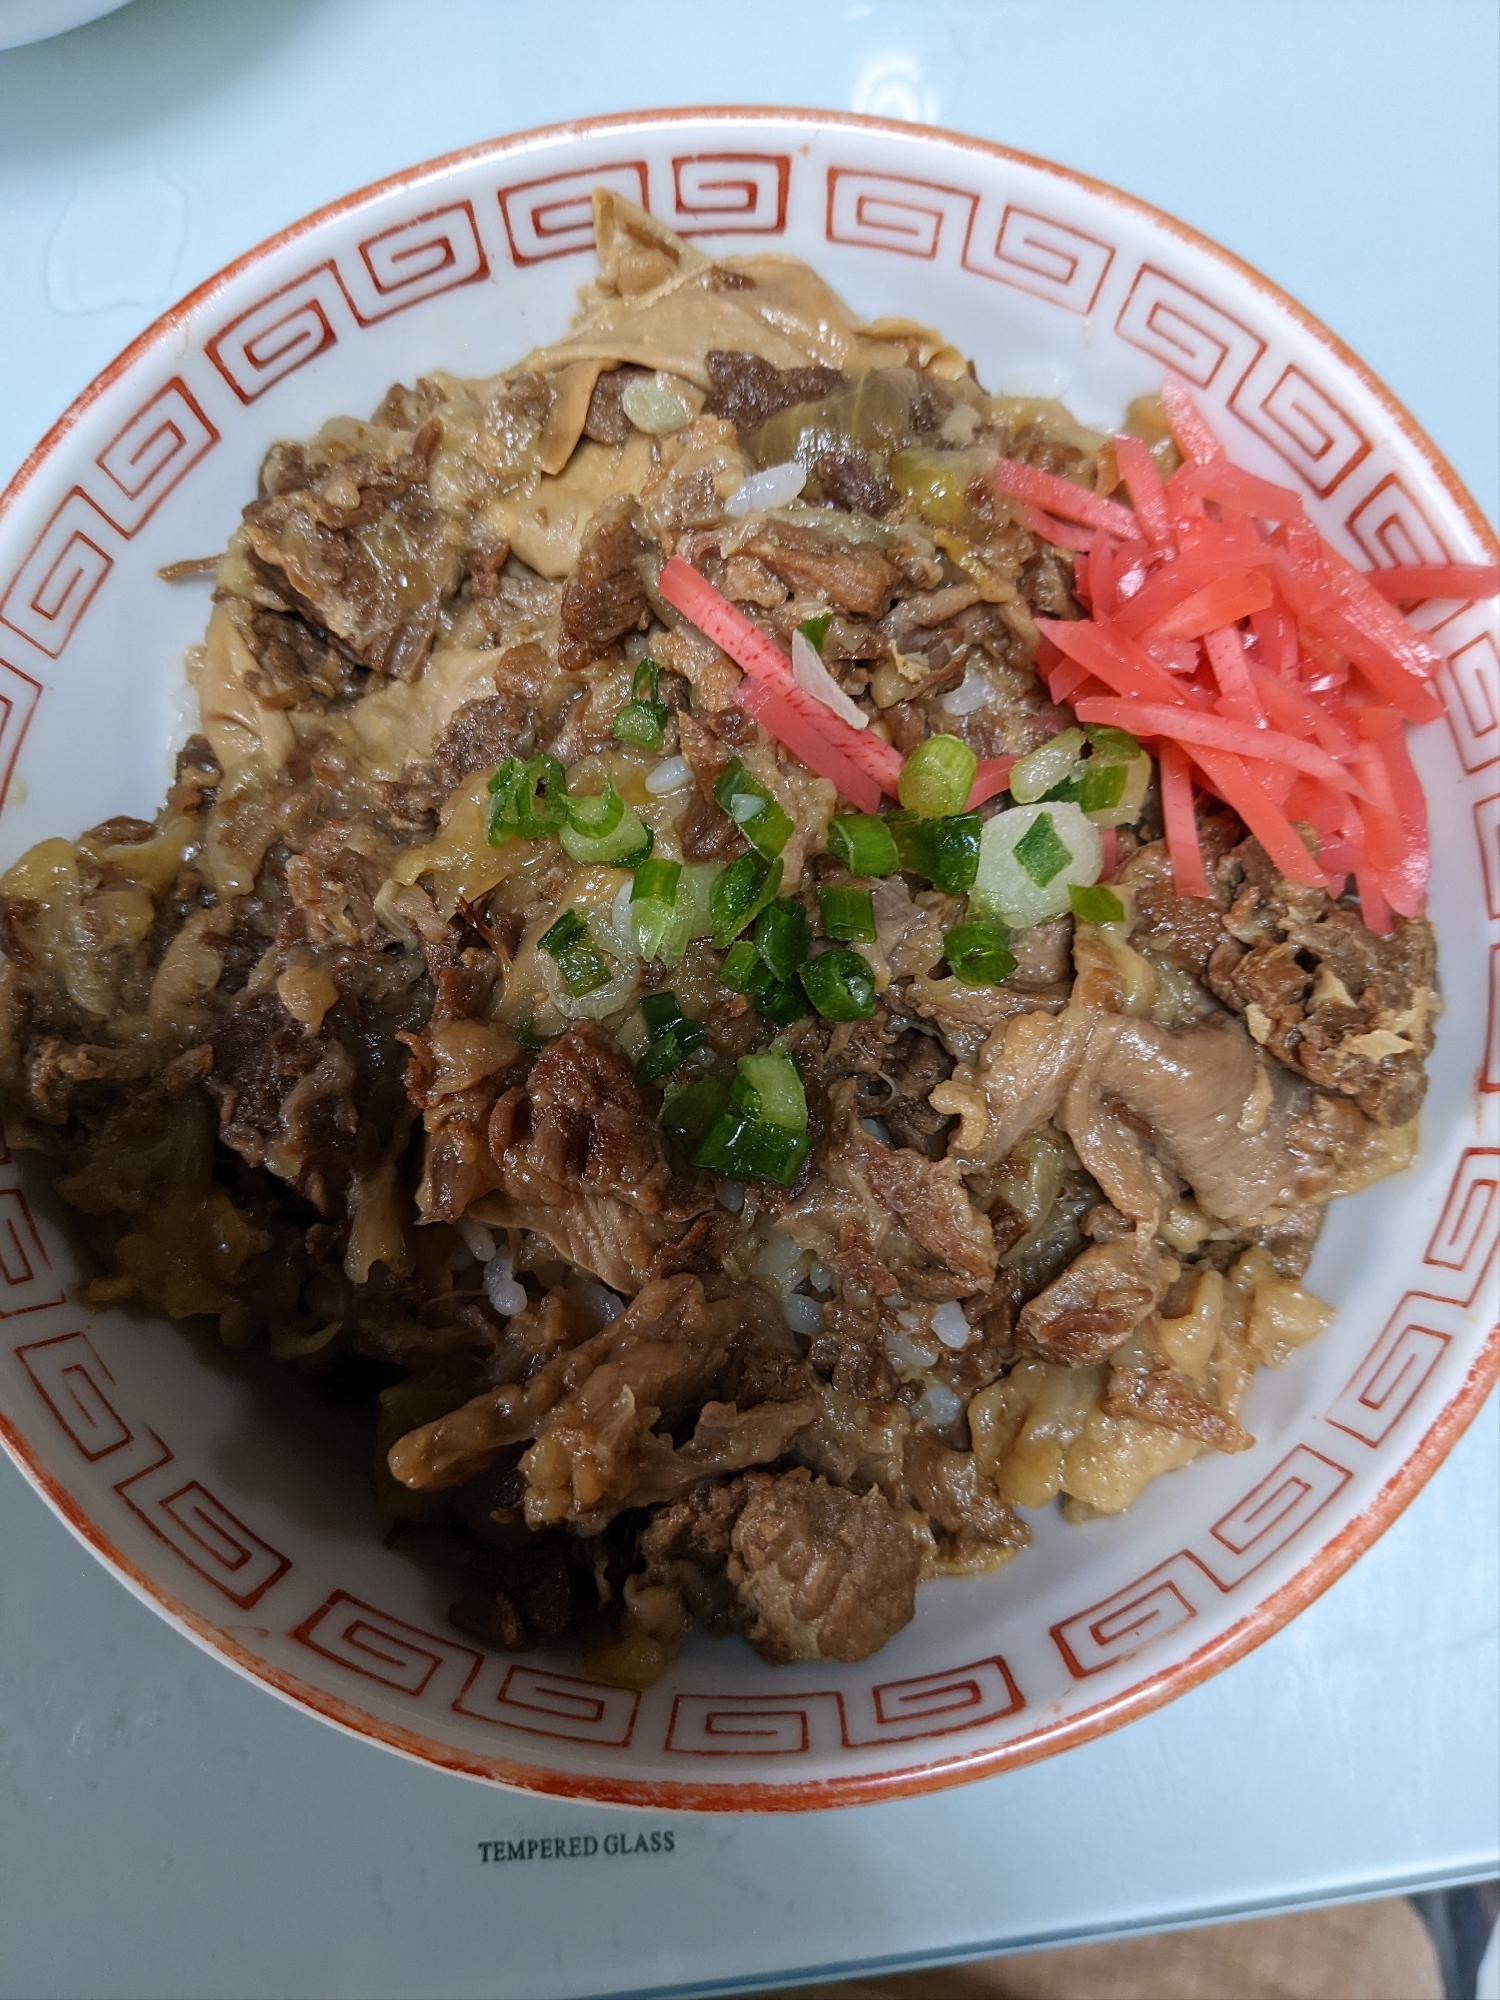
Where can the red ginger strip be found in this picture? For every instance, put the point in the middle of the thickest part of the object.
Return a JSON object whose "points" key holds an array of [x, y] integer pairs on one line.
{"points": [[1183, 844], [1222, 603], [1195, 728], [1063, 498], [824, 741], [1239, 787], [1061, 534], [1418, 580], [1195, 439], [1144, 485], [802, 734], [991, 778]]}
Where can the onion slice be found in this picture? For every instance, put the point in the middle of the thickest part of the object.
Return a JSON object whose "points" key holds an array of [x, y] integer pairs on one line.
{"points": [[814, 679]]}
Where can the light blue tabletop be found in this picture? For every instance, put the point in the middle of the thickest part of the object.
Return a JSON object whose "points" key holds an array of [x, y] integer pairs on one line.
{"points": [[167, 1829]]}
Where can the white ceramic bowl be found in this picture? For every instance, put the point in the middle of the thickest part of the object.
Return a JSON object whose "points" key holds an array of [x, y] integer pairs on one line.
{"points": [[210, 1487]]}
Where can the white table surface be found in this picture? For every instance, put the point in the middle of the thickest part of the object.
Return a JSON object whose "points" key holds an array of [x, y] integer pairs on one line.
{"points": [[166, 1828]]}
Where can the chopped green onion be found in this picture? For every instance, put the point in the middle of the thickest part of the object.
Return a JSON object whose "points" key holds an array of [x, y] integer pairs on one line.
{"points": [[602, 828], [528, 1037], [937, 777], [689, 1112], [653, 905], [945, 851], [1094, 904], [661, 1013], [743, 1149], [1005, 887], [644, 718], [674, 1037], [642, 722], [740, 894], [761, 1133], [514, 812], [782, 935], [979, 954], [570, 946], [1110, 745], [745, 971], [1041, 853], [863, 842], [768, 1087], [1102, 786], [741, 962], [752, 808], [1033, 776], [597, 815], [840, 985], [815, 629], [669, 903], [781, 1001], [1110, 786], [848, 914]]}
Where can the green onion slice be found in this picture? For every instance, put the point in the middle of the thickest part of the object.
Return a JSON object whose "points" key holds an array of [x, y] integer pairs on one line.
{"points": [[528, 1037], [815, 629], [1052, 763], [673, 1037], [863, 842], [740, 894], [848, 914], [1094, 904], [689, 1111], [1041, 852], [571, 947], [761, 1133], [653, 906], [641, 722], [741, 962], [840, 985], [516, 812], [937, 777], [752, 808], [602, 828], [945, 851], [781, 1001], [661, 1013], [644, 718], [782, 936], [979, 954], [1112, 746]]}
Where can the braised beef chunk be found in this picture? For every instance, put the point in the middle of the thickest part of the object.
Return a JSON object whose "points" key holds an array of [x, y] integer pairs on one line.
{"points": [[1097, 1302], [297, 665], [605, 597], [324, 539], [747, 390], [1163, 1396], [524, 1593], [1324, 995], [57, 1071], [606, 422], [1047, 586], [852, 576], [1181, 931], [578, 1125], [805, 1569], [688, 1546], [850, 481], [286, 1100], [820, 1573]]}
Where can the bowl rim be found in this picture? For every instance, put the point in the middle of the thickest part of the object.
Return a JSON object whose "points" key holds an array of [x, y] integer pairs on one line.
{"points": [[1323, 1568]]}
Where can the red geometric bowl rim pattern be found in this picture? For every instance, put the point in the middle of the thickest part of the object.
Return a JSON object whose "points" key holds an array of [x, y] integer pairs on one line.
{"points": [[1269, 1614]]}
